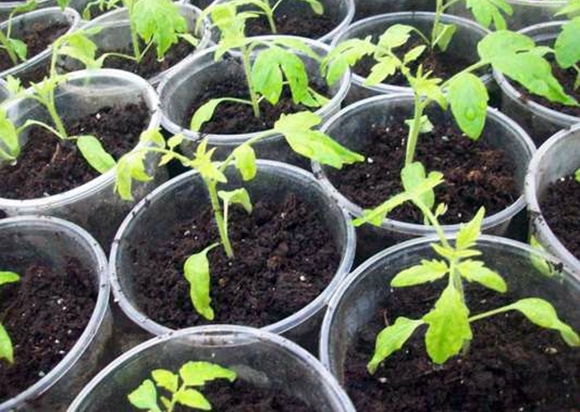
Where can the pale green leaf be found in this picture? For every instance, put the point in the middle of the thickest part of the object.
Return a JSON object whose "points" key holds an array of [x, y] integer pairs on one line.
{"points": [[19, 47], [427, 271], [238, 196], [468, 99], [166, 379], [470, 232], [488, 12], [175, 141], [567, 45], [9, 142], [245, 161], [414, 54], [192, 399], [395, 36], [476, 271], [199, 373], [94, 153], [316, 6], [145, 397], [443, 35], [8, 277], [387, 66], [345, 54], [413, 177], [204, 114], [6, 349], [196, 270]]}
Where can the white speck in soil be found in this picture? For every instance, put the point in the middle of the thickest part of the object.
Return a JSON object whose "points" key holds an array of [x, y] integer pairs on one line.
{"points": [[445, 138], [302, 278], [370, 160], [383, 380]]}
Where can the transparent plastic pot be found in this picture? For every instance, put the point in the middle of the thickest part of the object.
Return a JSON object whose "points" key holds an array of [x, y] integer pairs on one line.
{"points": [[463, 44], [369, 8], [6, 7], [556, 158], [525, 12], [25, 22], [116, 35], [259, 358], [184, 196], [201, 4], [181, 88], [94, 206], [341, 12], [4, 93], [359, 298], [350, 127], [33, 239], [539, 121]]}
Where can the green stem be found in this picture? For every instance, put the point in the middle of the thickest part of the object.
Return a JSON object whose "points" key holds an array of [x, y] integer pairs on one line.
{"points": [[134, 34], [468, 69], [6, 43], [449, 4], [438, 11], [413, 135], [219, 218], [490, 313], [50, 106], [270, 15], [435, 223], [248, 73]]}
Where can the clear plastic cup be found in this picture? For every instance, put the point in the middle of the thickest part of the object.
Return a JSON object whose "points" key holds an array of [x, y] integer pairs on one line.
{"points": [[341, 12], [23, 23], [116, 34], [556, 158], [369, 8], [349, 127], [358, 299], [463, 44], [180, 89], [94, 205], [33, 238], [261, 358], [186, 194], [539, 121], [4, 93]]}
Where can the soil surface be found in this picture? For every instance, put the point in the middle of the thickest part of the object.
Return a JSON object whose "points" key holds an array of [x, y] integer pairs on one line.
{"points": [[48, 166], [35, 75], [311, 25], [44, 313], [475, 174], [284, 258], [443, 65], [236, 118], [512, 365], [38, 38], [241, 396], [560, 210], [566, 78]]}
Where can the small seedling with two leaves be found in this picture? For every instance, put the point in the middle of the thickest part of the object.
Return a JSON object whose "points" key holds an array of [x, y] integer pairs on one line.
{"points": [[298, 131], [276, 65], [155, 23], [6, 348], [513, 54], [448, 324], [183, 388], [265, 8], [16, 49]]}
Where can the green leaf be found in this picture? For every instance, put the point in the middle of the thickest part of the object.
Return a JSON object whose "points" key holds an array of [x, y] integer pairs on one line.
{"points": [[391, 339], [542, 313], [14, 85], [8, 277], [577, 175], [94, 154], [387, 66], [345, 54], [468, 99], [63, 4], [78, 46], [196, 269], [145, 397], [239, 196], [470, 232], [414, 54], [159, 21], [208, 169], [395, 36], [425, 125], [175, 141], [544, 266], [487, 12], [413, 177], [166, 379], [130, 166], [572, 7], [429, 88], [9, 142], [476, 271], [443, 35], [313, 144], [315, 5], [448, 326], [192, 399], [567, 45], [427, 271], [24, 8], [204, 114], [19, 47], [199, 373], [245, 161], [6, 349], [497, 45]]}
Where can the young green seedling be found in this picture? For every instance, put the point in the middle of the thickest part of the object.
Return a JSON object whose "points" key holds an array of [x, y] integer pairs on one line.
{"points": [[15, 48], [183, 388], [267, 9], [298, 131], [567, 45], [6, 349], [155, 22], [449, 322], [276, 65], [513, 54]]}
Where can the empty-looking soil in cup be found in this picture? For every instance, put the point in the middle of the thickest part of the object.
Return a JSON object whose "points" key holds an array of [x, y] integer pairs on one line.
{"points": [[567, 78], [512, 364], [44, 313], [284, 258], [475, 174], [38, 38], [236, 118], [310, 25], [48, 166], [560, 209]]}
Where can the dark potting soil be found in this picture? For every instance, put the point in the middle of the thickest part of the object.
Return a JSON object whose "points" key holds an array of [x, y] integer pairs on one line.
{"points": [[560, 210], [475, 174], [149, 65], [35, 75], [566, 78], [44, 313], [284, 258], [236, 118], [38, 38], [48, 166], [311, 25], [443, 65], [241, 396], [512, 365]]}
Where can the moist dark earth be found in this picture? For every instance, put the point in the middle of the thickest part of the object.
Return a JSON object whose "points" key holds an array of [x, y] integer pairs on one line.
{"points": [[311, 26], [44, 313]]}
